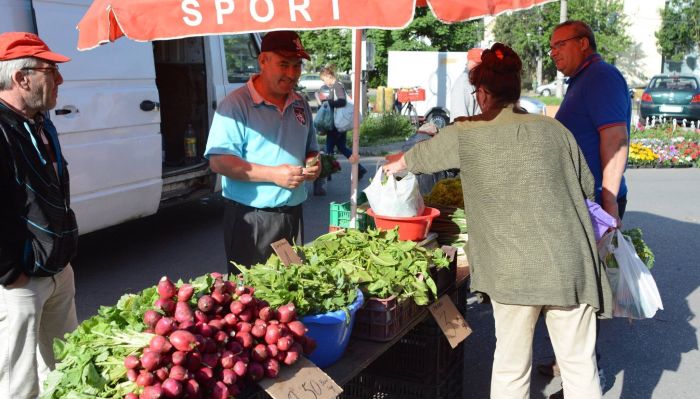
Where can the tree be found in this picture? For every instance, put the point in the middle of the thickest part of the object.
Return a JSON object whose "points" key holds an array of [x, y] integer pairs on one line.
{"points": [[680, 28], [605, 17], [425, 33], [328, 46]]}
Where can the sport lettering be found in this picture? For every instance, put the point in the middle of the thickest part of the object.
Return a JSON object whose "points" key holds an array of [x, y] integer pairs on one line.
{"points": [[260, 11]]}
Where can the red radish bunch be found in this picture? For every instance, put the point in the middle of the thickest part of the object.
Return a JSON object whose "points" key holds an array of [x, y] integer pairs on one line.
{"points": [[212, 344]]}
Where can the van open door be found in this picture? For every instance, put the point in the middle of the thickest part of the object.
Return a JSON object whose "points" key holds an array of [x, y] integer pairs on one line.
{"points": [[109, 131]]}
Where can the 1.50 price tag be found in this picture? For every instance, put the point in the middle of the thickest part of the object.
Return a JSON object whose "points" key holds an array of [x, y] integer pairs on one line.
{"points": [[302, 380], [450, 320]]}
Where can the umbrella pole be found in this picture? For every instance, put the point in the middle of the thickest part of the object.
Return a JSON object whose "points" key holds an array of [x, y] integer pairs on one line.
{"points": [[356, 124]]}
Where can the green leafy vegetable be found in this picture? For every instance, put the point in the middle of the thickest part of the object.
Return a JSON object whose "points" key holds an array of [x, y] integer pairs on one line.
{"points": [[380, 263], [643, 251], [90, 360]]}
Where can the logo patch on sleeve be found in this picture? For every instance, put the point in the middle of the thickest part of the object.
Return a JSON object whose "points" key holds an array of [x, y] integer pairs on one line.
{"points": [[300, 114]]}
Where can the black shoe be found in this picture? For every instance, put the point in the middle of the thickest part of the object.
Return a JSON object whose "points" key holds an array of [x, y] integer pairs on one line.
{"points": [[550, 369], [361, 173], [557, 395]]}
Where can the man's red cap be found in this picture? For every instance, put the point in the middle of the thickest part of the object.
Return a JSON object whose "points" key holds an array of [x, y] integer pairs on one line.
{"points": [[15, 45], [284, 42]]}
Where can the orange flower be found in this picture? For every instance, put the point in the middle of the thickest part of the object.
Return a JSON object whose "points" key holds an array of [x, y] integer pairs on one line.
{"points": [[499, 54]]}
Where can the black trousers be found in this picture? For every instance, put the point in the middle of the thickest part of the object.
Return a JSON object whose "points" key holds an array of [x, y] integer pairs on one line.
{"points": [[248, 232]]}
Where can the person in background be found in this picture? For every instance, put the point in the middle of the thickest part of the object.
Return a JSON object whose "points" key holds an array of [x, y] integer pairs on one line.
{"points": [[462, 99], [532, 247], [597, 109], [263, 143], [334, 93], [38, 230]]}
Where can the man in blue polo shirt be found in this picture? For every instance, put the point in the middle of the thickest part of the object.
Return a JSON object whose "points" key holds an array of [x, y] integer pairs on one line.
{"points": [[263, 143], [597, 110]]}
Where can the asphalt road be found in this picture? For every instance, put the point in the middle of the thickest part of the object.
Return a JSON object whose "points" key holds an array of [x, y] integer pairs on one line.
{"points": [[656, 358]]}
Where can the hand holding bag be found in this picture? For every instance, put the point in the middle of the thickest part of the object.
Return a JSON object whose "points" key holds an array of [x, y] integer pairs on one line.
{"points": [[601, 220], [388, 196], [323, 121], [634, 289]]}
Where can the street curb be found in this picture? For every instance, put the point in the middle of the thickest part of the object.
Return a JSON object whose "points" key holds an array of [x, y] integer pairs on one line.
{"points": [[381, 150]]}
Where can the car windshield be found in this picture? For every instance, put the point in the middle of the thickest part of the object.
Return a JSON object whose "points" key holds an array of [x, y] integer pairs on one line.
{"points": [[674, 83]]}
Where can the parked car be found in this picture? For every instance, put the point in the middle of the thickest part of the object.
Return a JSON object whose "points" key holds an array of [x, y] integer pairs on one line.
{"points": [[533, 105], [549, 89], [310, 82], [671, 96]]}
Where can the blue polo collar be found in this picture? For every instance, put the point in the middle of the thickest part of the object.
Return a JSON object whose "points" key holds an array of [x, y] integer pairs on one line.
{"points": [[595, 57]]}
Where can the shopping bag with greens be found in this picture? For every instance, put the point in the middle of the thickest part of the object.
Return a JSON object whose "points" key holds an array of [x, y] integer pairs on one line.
{"points": [[635, 293]]}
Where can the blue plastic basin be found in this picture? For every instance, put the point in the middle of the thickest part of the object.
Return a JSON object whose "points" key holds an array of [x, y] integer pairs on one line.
{"points": [[331, 332]]}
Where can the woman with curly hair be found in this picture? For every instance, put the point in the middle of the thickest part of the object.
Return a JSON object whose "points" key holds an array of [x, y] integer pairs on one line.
{"points": [[531, 242]]}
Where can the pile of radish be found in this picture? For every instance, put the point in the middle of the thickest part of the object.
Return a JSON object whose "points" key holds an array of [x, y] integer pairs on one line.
{"points": [[213, 344]]}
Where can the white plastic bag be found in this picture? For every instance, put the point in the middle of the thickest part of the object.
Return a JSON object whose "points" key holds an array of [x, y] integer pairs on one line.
{"points": [[388, 196], [342, 117], [635, 294]]}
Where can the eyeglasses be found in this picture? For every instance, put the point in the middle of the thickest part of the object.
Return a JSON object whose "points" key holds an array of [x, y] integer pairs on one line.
{"points": [[52, 68], [558, 45]]}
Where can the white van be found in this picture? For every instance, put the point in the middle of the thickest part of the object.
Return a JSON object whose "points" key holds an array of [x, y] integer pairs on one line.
{"points": [[124, 107]]}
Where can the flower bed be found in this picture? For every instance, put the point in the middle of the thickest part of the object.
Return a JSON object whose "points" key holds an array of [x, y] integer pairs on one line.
{"points": [[664, 147]]}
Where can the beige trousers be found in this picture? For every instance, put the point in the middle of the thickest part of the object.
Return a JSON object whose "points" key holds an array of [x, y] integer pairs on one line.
{"points": [[573, 335], [30, 318]]}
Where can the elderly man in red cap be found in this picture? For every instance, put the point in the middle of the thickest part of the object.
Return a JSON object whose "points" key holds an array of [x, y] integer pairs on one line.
{"points": [[263, 143], [462, 99], [38, 230]]}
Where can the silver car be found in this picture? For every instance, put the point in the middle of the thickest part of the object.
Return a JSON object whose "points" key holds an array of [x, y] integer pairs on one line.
{"points": [[310, 82], [533, 106], [549, 89]]}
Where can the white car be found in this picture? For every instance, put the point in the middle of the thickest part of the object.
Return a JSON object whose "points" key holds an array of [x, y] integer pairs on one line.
{"points": [[533, 106], [310, 82], [549, 89]]}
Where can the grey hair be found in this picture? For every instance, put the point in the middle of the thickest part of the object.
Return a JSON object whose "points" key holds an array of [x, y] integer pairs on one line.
{"points": [[582, 30], [9, 67]]}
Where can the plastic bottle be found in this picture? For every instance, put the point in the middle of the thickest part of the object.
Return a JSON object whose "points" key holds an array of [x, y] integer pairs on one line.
{"points": [[190, 145]]}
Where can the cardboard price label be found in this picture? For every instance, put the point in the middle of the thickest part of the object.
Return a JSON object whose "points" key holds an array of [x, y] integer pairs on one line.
{"points": [[302, 380], [285, 252], [450, 320]]}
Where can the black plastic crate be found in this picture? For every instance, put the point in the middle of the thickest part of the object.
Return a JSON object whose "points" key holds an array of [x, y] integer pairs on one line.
{"points": [[382, 319], [368, 385], [423, 354]]}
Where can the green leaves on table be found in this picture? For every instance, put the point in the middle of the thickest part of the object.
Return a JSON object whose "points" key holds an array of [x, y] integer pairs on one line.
{"points": [[379, 262], [90, 360], [314, 288]]}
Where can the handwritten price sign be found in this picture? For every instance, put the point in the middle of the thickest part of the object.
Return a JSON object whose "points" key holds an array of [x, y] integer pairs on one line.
{"points": [[285, 252], [303, 380], [450, 320]]}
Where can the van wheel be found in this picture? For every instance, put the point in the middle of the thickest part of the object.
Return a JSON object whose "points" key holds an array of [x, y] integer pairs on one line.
{"points": [[438, 119], [546, 93]]}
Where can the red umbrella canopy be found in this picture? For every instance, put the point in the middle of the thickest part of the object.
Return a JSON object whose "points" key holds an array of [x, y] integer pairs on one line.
{"points": [[145, 20]]}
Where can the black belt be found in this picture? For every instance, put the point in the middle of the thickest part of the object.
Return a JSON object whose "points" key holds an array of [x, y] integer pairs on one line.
{"points": [[278, 209]]}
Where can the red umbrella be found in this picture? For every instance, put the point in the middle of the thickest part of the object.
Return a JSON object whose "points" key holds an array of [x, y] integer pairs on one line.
{"points": [[145, 20]]}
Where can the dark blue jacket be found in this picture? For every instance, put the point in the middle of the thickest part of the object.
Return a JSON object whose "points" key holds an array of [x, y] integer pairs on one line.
{"points": [[38, 230]]}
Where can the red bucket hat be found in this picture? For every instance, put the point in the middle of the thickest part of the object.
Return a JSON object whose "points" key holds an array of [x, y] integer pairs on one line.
{"points": [[15, 45], [284, 42]]}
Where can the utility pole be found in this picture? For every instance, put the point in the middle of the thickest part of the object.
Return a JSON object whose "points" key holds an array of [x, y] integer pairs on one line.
{"points": [[560, 76], [539, 54]]}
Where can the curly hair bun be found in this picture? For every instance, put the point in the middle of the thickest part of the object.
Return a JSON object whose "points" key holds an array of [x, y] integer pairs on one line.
{"points": [[502, 59]]}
